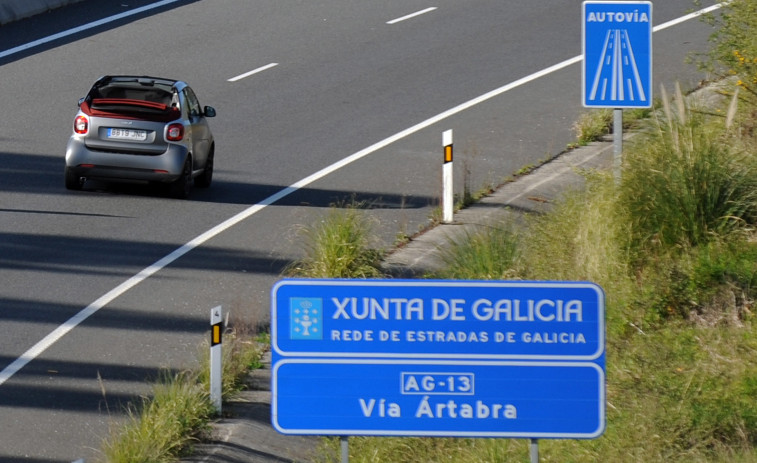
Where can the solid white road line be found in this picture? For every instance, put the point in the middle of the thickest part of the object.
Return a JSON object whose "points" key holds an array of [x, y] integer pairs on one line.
{"points": [[675, 22], [254, 71], [76, 30], [412, 15], [91, 309]]}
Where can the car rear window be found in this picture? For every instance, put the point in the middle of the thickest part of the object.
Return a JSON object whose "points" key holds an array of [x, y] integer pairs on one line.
{"points": [[153, 94], [132, 101]]}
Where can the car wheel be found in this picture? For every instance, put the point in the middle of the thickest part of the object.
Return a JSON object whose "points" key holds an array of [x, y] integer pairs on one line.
{"points": [[204, 180], [73, 181], [181, 187]]}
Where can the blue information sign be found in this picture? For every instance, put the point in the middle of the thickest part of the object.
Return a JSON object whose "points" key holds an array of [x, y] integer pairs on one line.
{"points": [[617, 54], [438, 358], [438, 398], [438, 319]]}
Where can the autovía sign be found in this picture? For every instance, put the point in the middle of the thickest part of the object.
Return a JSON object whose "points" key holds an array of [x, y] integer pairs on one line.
{"points": [[617, 54], [438, 358]]}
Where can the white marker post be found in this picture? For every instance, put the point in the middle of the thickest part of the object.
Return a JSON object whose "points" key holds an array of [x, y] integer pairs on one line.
{"points": [[447, 179], [216, 333]]}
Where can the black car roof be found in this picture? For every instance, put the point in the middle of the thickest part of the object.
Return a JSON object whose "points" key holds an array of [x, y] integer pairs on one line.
{"points": [[146, 81]]}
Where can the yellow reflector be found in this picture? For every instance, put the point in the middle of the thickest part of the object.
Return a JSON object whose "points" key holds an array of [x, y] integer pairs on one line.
{"points": [[216, 334]]}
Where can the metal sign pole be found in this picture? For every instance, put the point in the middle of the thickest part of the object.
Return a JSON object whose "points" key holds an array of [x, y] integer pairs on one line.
{"points": [[534, 450], [344, 441], [617, 130]]}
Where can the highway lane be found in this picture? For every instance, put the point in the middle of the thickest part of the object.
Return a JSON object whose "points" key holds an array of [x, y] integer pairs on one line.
{"points": [[345, 79]]}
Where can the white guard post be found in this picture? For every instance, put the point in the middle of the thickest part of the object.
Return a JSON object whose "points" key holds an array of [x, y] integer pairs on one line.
{"points": [[216, 333], [447, 179]]}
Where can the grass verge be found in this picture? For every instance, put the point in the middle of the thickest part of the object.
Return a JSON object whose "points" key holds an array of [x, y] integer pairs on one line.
{"points": [[338, 247], [162, 427]]}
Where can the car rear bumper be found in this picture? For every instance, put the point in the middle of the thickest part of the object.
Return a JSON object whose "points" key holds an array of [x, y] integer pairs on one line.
{"points": [[85, 162]]}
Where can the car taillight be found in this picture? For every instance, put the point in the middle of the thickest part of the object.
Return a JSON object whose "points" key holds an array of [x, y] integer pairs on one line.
{"points": [[81, 125], [175, 132]]}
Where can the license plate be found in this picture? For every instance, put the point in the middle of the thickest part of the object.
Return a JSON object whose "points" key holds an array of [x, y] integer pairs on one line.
{"points": [[127, 134]]}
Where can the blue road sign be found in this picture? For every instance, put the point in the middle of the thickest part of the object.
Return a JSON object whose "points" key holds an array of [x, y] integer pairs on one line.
{"points": [[438, 398], [438, 358], [494, 320], [617, 54]]}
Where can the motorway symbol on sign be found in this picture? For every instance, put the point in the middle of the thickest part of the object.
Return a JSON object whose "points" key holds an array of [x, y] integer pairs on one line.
{"points": [[617, 54]]}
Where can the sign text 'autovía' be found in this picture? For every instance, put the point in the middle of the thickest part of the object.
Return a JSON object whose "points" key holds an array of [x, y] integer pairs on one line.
{"points": [[618, 17]]}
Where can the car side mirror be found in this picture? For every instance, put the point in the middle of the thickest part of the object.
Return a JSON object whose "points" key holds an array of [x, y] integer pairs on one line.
{"points": [[209, 111], [81, 100]]}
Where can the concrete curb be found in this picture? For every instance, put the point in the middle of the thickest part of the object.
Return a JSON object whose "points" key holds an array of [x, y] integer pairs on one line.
{"points": [[14, 10]]}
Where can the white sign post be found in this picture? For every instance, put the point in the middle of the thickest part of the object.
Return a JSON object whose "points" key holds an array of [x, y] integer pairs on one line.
{"points": [[216, 358], [448, 197]]}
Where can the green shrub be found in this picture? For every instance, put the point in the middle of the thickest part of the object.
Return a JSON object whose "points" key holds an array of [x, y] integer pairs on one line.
{"points": [[592, 125], [713, 283], [693, 385], [683, 182], [491, 254], [241, 353], [734, 49], [577, 238], [338, 247], [163, 426]]}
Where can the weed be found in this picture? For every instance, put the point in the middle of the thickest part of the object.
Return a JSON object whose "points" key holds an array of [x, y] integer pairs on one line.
{"points": [[592, 125], [491, 254], [682, 183], [338, 247], [163, 426]]}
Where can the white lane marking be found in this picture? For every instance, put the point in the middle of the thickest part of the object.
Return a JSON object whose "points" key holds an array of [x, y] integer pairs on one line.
{"points": [[411, 15], [675, 22], [254, 71], [84, 27], [91, 309]]}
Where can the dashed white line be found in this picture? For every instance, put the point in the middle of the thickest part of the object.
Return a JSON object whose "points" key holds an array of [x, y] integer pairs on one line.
{"points": [[254, 71], [411, 15]]}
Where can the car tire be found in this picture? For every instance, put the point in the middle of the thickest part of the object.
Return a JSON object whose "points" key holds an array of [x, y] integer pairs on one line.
{"points": [[204, 180], [181, 187], [73, 181]]}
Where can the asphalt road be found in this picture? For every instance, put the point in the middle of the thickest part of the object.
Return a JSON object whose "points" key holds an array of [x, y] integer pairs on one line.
{"points": [[142, 271]]}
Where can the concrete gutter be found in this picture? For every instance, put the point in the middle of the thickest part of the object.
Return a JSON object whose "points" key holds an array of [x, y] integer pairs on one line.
{"points": [[13, 10]]}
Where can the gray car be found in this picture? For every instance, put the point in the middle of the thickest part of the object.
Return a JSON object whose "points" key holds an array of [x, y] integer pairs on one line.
{"points": [[141, 128]]}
